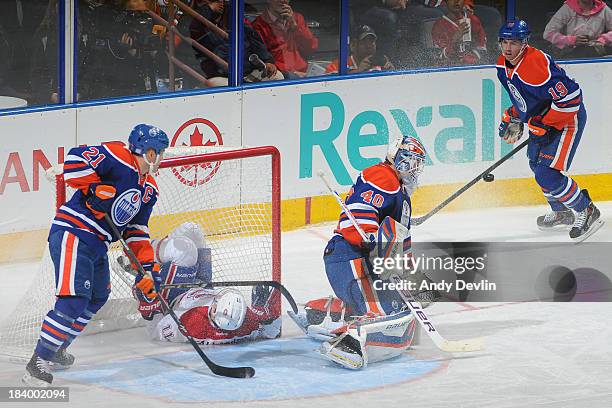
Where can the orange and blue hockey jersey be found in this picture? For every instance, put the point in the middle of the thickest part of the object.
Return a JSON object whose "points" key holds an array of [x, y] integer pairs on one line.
{"points": [[537, 84], [110, 163], [376, 194]]}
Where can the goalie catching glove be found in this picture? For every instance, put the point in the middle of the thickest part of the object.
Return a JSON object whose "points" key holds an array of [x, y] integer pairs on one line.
{"points": [[511, 126]]}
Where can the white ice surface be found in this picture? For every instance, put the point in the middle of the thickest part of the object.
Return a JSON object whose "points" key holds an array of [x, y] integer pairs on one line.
{"points": [[537, 354]]}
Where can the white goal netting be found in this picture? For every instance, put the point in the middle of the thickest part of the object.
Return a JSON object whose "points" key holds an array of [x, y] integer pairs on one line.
{"points": [[233, 194]]}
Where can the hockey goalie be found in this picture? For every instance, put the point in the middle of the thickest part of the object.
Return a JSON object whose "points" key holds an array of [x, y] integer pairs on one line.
{"points": [[210, 315], [369, 321]]}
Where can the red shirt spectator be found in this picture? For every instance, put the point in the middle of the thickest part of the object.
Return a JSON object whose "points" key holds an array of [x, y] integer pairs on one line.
{"points": [[448, 36], [286, 36]]}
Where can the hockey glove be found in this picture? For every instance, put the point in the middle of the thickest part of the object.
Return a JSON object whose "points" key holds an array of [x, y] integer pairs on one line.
{"points": [[511, 126], [149, 287], [540, 132], [100, 199]]}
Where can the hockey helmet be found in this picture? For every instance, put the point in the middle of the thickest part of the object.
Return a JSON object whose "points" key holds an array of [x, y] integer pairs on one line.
{"points": [[407, 155], [144, 137], [228, 309], [515, 30]]}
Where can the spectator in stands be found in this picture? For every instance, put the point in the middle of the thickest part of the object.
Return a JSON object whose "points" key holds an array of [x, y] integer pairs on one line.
{"points": [[581, 28], [43, 64], [5, 64], [384, 18], [458, 36], [469, 4], [19, 20], [363, 53], [287, 37], [261, 68]]}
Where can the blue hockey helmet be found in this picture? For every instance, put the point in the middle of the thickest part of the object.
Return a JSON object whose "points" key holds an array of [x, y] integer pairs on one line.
{"points": [[144, 137], [515, 30]]}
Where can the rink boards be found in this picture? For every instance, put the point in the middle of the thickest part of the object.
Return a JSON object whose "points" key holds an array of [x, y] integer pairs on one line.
{"points": [[339, 126]]}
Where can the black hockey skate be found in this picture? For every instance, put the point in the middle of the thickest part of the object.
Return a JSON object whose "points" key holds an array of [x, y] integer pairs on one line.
{"points": [[61, 360], [345, 350], [37, 373], [587, 221], [555, 220]]}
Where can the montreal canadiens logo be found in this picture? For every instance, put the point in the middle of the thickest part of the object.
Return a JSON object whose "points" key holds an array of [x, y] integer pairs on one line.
{"points": [[516, 95], [126, 207], [197, 132]]}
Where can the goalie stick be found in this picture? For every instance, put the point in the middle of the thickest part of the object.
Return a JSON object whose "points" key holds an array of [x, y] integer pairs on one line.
{"points": [[234, 372], [450, 346]]}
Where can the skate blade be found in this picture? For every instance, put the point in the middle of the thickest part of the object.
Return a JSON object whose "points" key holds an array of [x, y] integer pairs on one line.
{"points": [[58, 367], [556, 228], [27, 379], [594, 228]]}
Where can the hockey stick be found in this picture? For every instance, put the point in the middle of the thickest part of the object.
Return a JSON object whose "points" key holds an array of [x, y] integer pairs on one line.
{"points": [[235, 372], [451, 346], [274, 284], [420, 220], [294, 308]]}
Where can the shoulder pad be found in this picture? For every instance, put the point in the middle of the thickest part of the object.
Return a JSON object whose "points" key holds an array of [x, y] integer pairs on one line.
{"points": [[534, 69], [120, 152], [383, 177]]}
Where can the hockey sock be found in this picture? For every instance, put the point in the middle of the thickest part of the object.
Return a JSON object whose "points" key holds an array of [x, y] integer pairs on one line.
{"points": [[570, 195], [57, 325], [560, 190], [80, 322], [555, 205]]}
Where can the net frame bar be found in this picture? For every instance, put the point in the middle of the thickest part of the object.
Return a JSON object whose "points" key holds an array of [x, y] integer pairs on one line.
{"points": [[242, 153]]}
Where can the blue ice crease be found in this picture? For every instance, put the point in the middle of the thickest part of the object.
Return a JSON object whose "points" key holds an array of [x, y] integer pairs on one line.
{"points": [[285, 368]]}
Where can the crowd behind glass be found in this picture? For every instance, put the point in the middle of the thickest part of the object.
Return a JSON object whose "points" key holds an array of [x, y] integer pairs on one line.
{"points": [[123, 45]]}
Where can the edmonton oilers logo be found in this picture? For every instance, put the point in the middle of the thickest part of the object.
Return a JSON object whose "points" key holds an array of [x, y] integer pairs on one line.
{"points": [[126, 206], [516, 95]]}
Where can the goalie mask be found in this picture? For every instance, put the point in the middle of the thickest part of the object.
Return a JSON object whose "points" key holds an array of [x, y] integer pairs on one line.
{"points": [[407, 155], [227, 310]]}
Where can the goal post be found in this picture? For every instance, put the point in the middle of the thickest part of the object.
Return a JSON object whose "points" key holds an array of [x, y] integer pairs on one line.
{"points": [[232, 193]]}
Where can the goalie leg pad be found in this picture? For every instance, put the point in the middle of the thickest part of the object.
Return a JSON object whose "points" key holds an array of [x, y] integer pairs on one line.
{"points": [[389, 336]]}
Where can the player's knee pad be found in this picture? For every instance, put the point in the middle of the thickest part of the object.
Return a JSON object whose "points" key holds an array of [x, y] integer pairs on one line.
{"points": [[548, 178], [179, 250], [71, 306], [96, 304]]}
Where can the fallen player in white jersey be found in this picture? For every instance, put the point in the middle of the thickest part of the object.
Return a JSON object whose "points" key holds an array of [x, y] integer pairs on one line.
{"points": [[211, 316]]}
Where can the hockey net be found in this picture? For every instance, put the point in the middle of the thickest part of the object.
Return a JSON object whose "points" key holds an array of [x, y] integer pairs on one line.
{"points": [[233, 194]]}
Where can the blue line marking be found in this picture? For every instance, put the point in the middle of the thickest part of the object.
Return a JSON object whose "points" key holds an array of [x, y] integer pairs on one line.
{"points": [[285, 369]]}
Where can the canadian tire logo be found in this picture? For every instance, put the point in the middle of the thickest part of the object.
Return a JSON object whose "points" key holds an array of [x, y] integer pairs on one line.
{"points": [[193, 133]]}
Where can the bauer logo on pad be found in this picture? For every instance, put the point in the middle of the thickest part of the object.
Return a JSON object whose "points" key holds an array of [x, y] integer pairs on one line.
{"points": [[126, 207]]}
